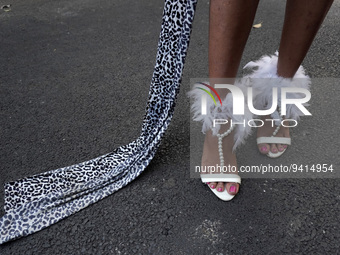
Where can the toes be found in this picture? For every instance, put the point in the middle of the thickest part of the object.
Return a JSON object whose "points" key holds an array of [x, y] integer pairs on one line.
{"points": [[220, 186], [212, 185], [273, 148], [263, 148], [280, 147], [232, 188]]}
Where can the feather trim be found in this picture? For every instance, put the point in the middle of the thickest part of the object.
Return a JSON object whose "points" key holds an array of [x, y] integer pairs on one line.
{"points": [[224, 111], [265, 77]]}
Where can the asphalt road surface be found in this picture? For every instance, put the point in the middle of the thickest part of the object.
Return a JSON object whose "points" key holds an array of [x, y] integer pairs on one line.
{"points": [[74, 81]]}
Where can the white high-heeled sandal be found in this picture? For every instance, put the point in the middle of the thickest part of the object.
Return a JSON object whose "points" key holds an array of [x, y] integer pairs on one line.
{"points": [[223, 111], [207, 178], [276, 140], [262, 80]]}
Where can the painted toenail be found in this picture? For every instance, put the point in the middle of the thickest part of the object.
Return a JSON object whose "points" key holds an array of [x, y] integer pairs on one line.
{"points": [[232, 188], [263, 148], [219, 189], [212, 186]]}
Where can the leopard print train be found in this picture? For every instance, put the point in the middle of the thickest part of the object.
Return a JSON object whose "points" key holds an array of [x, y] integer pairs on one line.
{"points": [[36, 202]]}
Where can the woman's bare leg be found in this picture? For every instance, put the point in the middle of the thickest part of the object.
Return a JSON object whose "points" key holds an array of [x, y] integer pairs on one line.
{"points": [[230, 22], [303, 19]]}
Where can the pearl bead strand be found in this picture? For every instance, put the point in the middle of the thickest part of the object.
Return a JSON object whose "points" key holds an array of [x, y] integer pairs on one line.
{"points": [[278, 127], [220, 150]]}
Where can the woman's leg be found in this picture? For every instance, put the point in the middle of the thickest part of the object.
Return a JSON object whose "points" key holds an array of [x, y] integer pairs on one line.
{"points": [[303, 19], [230, 22]]}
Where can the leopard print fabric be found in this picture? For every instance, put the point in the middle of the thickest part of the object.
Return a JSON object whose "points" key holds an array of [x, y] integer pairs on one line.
{"points": [[36, 202]]}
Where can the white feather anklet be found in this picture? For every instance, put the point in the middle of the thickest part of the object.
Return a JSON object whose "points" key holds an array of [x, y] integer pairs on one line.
{"points": [[222, 111]]}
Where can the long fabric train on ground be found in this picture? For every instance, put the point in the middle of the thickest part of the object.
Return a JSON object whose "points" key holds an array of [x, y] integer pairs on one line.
{"points": [[36, 202]]}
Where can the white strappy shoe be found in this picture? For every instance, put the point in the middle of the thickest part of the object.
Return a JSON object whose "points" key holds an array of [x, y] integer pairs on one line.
{"points": [[222, 110], [263, 79], [277, 140]]}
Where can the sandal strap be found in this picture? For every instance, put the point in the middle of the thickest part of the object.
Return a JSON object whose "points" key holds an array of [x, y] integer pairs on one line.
{"points": [[220, 148], [279, 140], [221, 178]]}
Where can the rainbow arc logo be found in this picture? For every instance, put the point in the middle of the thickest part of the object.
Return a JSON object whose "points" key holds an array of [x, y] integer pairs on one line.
{"points": [[239, 99], [212, 89]]}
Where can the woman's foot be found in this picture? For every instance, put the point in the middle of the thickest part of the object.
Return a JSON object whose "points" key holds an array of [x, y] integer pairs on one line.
{"points": [[267, 131], [210, 157]]}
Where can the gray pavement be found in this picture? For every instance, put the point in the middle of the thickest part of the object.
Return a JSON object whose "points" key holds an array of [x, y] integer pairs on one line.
{"points": [[73, 85]]}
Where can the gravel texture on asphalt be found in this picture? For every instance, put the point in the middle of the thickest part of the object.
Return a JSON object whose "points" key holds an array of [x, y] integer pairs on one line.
{"points": [[74, 84]]}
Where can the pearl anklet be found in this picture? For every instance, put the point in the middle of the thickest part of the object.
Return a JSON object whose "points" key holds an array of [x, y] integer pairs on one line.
{"points": [[220, 150]]}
